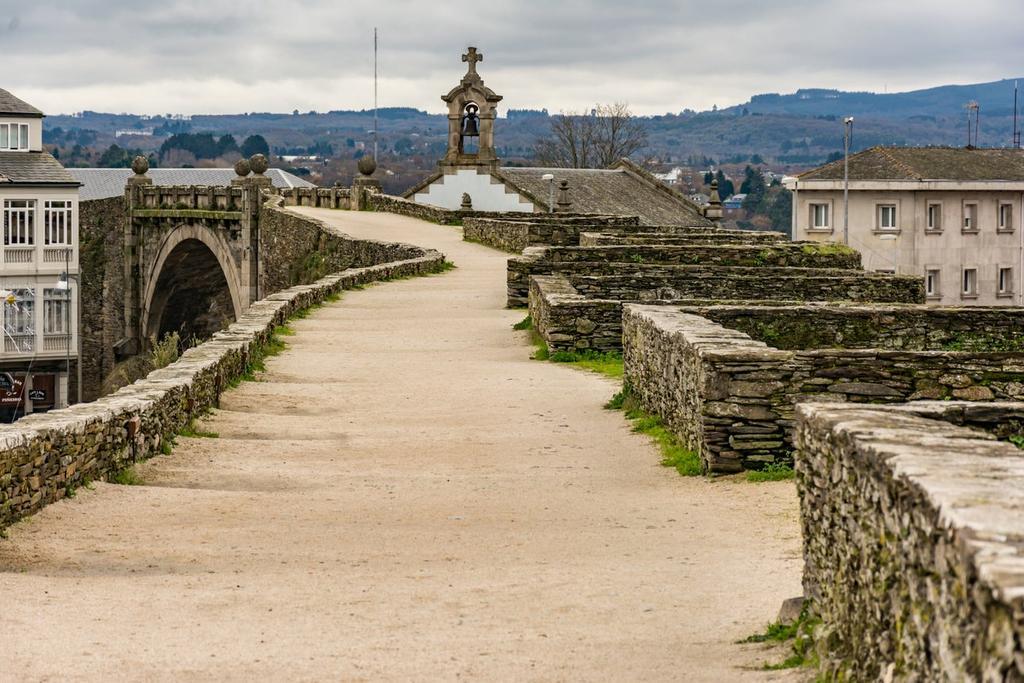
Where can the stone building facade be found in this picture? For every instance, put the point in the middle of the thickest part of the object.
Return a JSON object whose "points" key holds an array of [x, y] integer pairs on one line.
{"points": [[951, 215], [38, 267]]}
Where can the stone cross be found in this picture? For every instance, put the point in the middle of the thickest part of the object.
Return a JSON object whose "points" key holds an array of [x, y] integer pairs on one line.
{"points": [[472, 57]]}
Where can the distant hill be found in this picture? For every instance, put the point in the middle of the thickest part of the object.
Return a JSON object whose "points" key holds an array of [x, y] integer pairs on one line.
{"points": [[995, 98], [788, 132]]}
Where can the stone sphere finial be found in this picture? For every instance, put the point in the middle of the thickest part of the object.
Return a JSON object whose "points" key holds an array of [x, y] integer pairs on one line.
{"points": [[140, 165], [242, 167], [367, 165], [258, 164]]}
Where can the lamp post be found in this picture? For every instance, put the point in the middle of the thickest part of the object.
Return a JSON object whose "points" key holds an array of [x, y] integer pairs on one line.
{"points": [[550, 178], [847, 137]]}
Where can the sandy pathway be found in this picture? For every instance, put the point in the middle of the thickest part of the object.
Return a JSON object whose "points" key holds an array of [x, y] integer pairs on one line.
{"points": [[406, 496]]}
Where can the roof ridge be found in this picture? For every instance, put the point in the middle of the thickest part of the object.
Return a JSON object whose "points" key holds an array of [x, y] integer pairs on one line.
{"points": [[898, 163]]}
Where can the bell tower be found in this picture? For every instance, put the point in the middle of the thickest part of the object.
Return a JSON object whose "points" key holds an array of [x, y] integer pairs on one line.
{"points": [[471, 114]]}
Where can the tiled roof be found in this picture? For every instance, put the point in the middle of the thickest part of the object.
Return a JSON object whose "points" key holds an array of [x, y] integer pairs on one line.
{"points": [[927, 163], [9, 104], [102, 183], [32, 167], [623, 190]]}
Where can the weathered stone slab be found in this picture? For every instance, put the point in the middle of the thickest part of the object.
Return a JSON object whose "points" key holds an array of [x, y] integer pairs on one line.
{"points": [[913, 536]]}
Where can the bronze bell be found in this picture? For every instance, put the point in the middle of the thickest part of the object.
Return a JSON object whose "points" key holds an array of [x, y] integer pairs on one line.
{"points": [[471, 122]]}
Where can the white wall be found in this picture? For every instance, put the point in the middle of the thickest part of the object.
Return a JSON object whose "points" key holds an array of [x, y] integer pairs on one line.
{"points": [[487, 194], [916, 249], [35, 130]]}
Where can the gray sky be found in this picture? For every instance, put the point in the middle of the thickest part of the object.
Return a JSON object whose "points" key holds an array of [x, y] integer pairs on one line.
{"points": [[216, 56]]}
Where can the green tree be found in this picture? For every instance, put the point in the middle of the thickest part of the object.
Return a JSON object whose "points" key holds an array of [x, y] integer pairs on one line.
{"points": [[255, 144], [753, 186], [725, 187], [226, 145]]}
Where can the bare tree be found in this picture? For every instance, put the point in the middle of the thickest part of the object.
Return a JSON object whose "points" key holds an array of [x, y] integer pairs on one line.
{"points": [[595, 140]]}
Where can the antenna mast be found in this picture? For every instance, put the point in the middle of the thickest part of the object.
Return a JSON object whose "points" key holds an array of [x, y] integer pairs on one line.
{"points": [[374, 93], [1016, 131], [972, 108]]}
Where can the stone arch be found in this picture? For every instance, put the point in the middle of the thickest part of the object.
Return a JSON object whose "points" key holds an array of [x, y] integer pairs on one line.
{"points": [[192, 286]]}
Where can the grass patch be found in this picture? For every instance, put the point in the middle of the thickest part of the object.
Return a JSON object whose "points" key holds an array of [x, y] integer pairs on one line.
{"points": [[799, 633], [445, 266], [524, 324], [608, 364], [826, 248], [773, 471], [191, 431], [126, 477], [673, 454]]}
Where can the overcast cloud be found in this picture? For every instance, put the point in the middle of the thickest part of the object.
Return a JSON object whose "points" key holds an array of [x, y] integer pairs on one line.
{"points": [[218, 56]]}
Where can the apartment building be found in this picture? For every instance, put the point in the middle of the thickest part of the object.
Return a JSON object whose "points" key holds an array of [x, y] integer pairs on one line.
{"points": [[38, 266], [951, 215]]}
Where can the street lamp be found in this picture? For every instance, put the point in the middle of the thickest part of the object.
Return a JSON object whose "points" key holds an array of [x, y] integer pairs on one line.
{"points": [[550, 178], [847, 137]]}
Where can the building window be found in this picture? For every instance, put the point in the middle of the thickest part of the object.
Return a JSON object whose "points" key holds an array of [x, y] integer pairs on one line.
{"points": [[886, 216], [970, 282], [931, 283], [820, 219], [19, 321], [56, 309], [14, 137], [934, 217], [1006, 217], [1005, 281], [19, 222], [970, 217], [57, 222]]}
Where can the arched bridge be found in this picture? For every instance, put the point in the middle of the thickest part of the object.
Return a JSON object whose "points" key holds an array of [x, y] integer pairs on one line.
{"points": [[192, 258]]}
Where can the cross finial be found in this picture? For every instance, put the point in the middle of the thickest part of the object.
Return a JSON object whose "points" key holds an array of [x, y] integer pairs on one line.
{"points": [[472, 57]]}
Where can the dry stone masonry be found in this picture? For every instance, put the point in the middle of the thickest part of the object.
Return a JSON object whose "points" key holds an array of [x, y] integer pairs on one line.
{"points": [[575, 294], [732, 397], [520, 231], [913, 539]]}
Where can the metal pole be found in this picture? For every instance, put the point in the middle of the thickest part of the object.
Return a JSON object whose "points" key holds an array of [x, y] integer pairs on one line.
{"points": [[374, 93], [67, 319], [847, 133]]}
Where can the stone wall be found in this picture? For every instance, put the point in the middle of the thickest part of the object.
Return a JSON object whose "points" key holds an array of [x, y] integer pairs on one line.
{"points": [[296, 249], [732, 398], [715, 271], [852, 326], [43, 456], [648, 283], [680, 236], [569, 321], [912, 541], [101, 263], [515, 234]]}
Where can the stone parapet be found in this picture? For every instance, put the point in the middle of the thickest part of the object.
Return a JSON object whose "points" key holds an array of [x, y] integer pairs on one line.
{"points": [[325, 197], [515, 234], [45, 455], [913, 539], [732, 398], [680, 236], [645, 282]]}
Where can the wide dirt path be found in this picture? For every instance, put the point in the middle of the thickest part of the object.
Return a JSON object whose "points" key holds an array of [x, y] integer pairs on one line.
{"points": [[405, 496]]}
